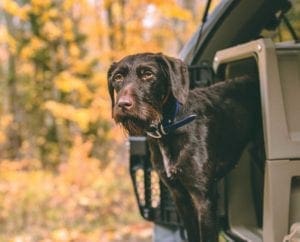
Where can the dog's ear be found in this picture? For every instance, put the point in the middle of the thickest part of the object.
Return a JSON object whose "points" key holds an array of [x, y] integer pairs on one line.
{"points": [[110, 86], [179, 77]]}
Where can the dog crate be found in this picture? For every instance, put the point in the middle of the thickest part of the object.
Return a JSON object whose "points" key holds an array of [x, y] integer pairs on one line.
{"points": [[278, 68]]}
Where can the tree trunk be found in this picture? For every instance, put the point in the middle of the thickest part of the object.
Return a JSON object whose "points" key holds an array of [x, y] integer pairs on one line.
{"points": [[14, 139]]}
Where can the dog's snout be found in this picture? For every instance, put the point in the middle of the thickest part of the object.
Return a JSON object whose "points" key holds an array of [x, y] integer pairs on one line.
{"points": [[125, 102]]}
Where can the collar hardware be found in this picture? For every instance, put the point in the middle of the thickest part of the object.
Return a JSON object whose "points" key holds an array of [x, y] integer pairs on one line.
{"points": [[168, 124]]}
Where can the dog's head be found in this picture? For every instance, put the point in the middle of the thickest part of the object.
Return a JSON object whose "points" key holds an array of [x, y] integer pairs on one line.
{"points": [[141, 84]]}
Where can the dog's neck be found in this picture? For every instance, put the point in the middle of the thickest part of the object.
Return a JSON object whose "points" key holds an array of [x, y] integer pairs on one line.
{"points": [[168, 123], [170, 110]]}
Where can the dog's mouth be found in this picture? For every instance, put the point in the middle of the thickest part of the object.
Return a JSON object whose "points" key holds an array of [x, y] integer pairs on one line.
{"points": [[134, 126], [136, 123]]}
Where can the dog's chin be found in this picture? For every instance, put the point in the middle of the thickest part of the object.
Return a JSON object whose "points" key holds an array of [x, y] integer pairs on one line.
{"points": [[136, 122], [133, 125]]}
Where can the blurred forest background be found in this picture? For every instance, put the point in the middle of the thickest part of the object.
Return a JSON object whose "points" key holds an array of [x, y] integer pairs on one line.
{"points": [[63, 162]]}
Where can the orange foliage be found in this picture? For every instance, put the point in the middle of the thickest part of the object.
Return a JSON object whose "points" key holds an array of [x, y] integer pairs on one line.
{"points": [[79, 203]]}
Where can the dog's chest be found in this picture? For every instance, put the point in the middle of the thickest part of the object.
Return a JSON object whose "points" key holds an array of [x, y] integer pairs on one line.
{"points": [[170, 152], [184, 151], [166, 161]]}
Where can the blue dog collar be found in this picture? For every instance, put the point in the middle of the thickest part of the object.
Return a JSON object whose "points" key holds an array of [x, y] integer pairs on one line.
{"points": [[158, 131], [168, 124]]}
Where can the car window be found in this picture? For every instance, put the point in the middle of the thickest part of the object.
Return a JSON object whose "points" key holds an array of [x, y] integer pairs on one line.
{"points": [[283, 32]]}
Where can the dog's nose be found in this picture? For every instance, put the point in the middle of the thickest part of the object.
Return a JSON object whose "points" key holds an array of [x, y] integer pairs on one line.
{"points": [[125, 102]]}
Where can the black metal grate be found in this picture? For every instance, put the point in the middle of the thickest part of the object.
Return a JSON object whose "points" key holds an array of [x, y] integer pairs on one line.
{"points": [[201, 75], [154, 200]]}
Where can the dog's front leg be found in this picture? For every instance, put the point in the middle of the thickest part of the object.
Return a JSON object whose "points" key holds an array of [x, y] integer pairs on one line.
{"points": [[186, 210], [197, 180], [182, 198], [207, 216], [197, 212]]}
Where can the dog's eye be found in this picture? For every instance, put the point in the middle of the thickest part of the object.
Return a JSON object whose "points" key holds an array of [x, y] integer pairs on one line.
{"points": [[147, 74], [118, 78]]}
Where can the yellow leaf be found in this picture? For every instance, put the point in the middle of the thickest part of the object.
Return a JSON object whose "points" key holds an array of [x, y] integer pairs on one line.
{"points": [[74, 50], [60, 110], [50, 14], [7, 38], [80, 66], [67, 82], [174, 11], [80, 116], [30, 49], [67, 4], [41, 3], [26, 68], [51, 31], [37, 43], [68, 29], [12, 8]]}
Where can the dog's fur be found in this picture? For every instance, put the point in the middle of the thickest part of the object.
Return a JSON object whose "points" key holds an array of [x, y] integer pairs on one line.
{"points": [[199, 153]]}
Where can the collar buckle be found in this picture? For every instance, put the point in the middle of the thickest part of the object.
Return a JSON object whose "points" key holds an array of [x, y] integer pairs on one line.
{"points": [[160, 130]]}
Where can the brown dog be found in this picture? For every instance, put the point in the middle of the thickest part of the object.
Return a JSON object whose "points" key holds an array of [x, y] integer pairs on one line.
{"points": [[195, 136]]}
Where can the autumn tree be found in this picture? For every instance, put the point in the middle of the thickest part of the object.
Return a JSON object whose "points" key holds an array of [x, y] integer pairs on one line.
{"points": [[50, 80]]}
